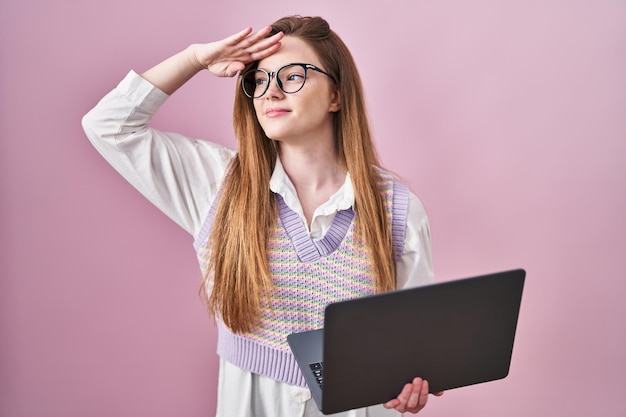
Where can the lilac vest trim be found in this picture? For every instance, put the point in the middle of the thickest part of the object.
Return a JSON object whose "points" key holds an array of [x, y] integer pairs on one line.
{"points": [[255, 357], [308, 249]]}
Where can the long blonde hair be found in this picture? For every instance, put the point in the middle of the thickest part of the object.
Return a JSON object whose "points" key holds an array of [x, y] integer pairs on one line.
{"points": [[247, 211]]}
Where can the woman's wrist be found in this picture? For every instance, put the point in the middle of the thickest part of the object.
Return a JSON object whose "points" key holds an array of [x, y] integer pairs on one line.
{"points": [[192, 57], [175, 71]]}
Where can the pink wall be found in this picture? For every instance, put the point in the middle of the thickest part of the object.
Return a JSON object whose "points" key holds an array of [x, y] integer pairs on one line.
{"points": [[507, 118]]}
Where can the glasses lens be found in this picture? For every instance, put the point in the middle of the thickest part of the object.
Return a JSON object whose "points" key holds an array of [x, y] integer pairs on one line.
{"points": [[291, 78], [255, 83]]}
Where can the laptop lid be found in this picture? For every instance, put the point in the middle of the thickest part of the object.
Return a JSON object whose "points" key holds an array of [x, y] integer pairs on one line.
{"points": [[453, 334]]}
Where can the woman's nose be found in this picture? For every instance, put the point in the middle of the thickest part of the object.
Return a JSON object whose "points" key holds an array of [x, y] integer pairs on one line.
{"points": [[273, 90]]}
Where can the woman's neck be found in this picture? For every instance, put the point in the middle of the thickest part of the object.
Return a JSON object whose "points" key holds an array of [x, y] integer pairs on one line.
{"points": [[315, 171]]}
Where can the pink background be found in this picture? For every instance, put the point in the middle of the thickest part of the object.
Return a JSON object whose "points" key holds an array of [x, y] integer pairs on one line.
{"points": [[507, 118]]}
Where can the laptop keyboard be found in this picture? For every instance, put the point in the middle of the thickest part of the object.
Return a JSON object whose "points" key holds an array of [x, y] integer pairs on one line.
{"points": [[318, 372]]}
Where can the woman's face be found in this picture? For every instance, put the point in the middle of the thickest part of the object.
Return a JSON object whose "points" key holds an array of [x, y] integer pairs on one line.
{"points": [[302, 116]]}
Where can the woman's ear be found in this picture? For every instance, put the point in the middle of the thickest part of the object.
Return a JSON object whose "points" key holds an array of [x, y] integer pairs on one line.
{"points": [[335, 102]]}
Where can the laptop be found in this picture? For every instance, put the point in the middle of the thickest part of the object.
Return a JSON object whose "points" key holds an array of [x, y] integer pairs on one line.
{"points": [[453, 334]]}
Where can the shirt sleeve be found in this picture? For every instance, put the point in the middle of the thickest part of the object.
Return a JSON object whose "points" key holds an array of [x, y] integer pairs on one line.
{"points": [[415, 267], [179, 175]]}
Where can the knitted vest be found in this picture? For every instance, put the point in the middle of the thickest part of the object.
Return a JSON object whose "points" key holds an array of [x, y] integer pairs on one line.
{"points": [[307, 274]]}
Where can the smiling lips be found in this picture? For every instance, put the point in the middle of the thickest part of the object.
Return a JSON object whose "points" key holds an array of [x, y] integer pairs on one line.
{"points": [[275, 112]]}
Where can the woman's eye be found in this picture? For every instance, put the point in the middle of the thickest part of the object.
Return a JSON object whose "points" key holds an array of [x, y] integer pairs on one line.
{"points": [[295, 77]]}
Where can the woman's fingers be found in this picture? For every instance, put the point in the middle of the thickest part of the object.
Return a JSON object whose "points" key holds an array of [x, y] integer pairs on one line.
{"points": [[265, 47], [419, 396], [412, 398], [253, 43], [230, 55]]}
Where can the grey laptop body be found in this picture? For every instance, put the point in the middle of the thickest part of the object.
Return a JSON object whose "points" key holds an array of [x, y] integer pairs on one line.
{"points": [[454, 334]]}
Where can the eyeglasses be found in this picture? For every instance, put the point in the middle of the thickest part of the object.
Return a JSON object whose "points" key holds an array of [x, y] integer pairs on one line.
{"points": [[290, 79]]}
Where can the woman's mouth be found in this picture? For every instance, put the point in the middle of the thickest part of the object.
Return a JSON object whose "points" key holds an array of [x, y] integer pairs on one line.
{"points": [[275, 112]]}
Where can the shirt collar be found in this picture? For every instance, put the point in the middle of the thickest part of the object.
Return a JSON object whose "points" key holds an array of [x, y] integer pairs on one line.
{"points": [[282, 185]]}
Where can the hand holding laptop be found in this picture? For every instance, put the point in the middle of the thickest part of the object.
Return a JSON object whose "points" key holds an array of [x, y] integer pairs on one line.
{"points": [[412, 398]]}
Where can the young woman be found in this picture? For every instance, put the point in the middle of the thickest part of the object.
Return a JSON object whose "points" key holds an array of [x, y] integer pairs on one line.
{"points": [[300, 215]]}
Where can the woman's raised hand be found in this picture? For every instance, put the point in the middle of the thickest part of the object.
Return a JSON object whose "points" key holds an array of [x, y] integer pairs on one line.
{"points": [[228, 56], [223, 58]]}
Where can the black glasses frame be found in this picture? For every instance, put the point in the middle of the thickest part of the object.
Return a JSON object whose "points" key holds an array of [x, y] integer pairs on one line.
{"points": [[273, 74]]}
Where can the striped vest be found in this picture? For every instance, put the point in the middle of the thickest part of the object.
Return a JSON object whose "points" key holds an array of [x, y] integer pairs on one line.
{"points": [[307, 274]]}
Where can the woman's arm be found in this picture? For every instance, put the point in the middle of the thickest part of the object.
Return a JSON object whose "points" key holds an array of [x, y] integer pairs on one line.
{"points": [[177, 174], [415, 267]]}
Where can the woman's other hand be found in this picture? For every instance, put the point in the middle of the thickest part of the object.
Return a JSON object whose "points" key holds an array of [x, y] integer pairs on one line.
{"points": [[412, 398]]}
